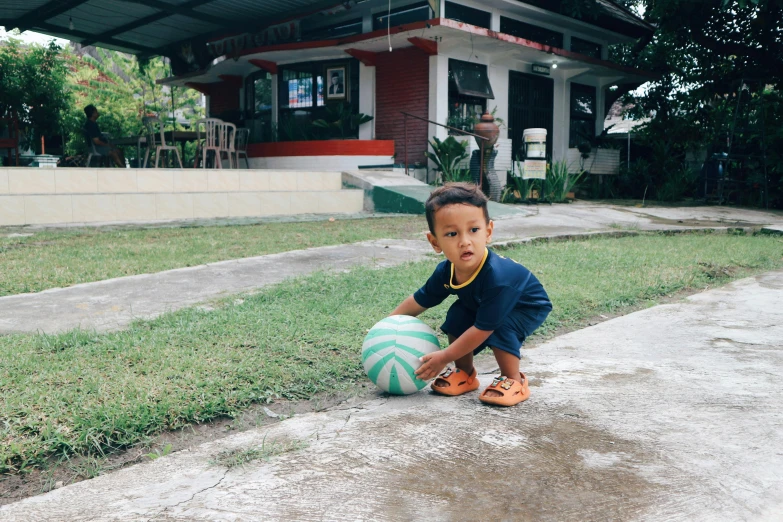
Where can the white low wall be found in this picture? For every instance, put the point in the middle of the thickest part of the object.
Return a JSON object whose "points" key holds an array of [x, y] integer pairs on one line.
{"points": [[55, 196], [319, 162]]}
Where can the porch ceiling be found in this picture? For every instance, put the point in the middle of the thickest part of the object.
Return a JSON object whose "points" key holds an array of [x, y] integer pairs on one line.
{"points": [[147, 26], [456, 39]]}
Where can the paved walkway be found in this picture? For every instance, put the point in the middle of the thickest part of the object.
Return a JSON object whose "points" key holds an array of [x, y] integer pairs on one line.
{"points": [[672, 413], [114, 303]]}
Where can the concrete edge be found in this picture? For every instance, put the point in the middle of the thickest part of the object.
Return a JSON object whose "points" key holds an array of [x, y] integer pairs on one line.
{"points": [[583, 236]]}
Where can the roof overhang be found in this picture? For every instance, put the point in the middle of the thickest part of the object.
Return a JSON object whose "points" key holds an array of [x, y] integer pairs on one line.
{"points": [[436, 36], [150, 27]]}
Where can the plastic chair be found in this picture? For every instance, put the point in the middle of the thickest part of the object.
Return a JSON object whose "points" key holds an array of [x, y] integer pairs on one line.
{"points": [[92, 151], [159, 142], [228, 134], [210, 141], [242, 137]]}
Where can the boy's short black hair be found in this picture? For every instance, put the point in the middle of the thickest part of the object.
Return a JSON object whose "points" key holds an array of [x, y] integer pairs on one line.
{"points": [[454, 194], [90, 110]]}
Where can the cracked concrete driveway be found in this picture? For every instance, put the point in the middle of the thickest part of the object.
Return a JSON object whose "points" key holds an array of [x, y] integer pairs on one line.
{"points": [[672, 413]]}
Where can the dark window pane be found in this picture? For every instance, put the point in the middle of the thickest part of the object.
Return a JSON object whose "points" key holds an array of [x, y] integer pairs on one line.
{"points": [[402, 15], [464, 111], [582, 100], [468, 15], [469, 79], [582, 114], [581, 130], [341, 30], [584, 47], [258, 106], [297, 89], [530, 32]]}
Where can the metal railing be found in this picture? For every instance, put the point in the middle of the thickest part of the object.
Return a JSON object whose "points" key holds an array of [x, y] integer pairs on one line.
{"points": [[455, 129]]}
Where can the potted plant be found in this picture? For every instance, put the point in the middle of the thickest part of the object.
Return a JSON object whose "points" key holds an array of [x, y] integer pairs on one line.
{"points": [[341, 122]]}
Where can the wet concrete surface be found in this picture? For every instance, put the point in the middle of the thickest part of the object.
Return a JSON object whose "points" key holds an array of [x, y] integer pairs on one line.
{"points": [[113, 304], [673, 413]]}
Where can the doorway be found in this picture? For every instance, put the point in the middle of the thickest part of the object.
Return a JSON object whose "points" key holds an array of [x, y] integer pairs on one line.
{"points": [[530, 105]]}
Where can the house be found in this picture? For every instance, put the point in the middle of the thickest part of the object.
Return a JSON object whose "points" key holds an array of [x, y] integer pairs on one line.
{"points": [[276, 67]]}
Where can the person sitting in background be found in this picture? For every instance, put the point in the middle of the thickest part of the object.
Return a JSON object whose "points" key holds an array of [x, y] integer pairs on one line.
{"points": [[95, 137]]}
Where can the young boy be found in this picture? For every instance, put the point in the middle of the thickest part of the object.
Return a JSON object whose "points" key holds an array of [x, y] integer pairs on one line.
{"points": [[499, 304]]}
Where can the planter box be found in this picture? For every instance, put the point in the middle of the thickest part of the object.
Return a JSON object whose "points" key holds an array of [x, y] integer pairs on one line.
{"points": [[321, 148], [600, 161]]}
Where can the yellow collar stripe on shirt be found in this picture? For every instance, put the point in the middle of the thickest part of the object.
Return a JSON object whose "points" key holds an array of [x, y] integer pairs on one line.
{"points": [[466, 283]]}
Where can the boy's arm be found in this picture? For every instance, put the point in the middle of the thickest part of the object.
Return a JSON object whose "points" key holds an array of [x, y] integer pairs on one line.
{"points": [[408, 307], [434, 363]]}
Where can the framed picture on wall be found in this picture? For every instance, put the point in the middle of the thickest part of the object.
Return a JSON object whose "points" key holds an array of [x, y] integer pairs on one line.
{"points": [[336, 83]]}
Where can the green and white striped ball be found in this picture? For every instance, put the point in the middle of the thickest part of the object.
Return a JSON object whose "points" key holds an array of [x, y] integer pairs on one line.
{"points": [[391, 351]]}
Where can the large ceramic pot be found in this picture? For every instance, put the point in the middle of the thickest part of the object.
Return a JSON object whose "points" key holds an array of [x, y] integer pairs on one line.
{"points": [[487, 128]]}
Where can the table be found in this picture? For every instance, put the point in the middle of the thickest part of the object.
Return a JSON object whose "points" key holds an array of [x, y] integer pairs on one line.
{"points": [[171, 136]]}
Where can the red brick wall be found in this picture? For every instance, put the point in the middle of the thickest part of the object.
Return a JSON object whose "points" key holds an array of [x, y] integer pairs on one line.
{"points": [[223, 97], [402, 84]]}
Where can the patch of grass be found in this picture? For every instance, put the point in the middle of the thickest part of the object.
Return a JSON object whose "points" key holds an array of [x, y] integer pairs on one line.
{"points": [[60, 258], [240, 457], [83, 393]]}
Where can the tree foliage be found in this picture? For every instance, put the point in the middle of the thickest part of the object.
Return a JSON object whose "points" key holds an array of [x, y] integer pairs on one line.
{"points": [[47, 88], [704, 52], [33, 87]]}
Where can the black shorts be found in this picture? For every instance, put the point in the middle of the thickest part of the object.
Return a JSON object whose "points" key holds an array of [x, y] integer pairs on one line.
{"points": [[509, 336]]}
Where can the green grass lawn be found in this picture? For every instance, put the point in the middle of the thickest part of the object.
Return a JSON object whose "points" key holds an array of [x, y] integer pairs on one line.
{"points": [[86, 393], [59, 258]]}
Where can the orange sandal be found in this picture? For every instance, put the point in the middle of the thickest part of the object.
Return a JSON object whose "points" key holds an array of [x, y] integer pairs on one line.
{"points": [[457, 382], [513, 391]]}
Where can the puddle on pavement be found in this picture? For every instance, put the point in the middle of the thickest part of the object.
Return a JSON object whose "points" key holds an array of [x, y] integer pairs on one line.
{"points": [[558, 469]]}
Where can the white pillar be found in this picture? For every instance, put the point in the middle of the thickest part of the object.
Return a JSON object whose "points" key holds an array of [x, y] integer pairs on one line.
{"points": [[498, 79], [367, 100], [561, 118], [439, 95], [494, 21]]}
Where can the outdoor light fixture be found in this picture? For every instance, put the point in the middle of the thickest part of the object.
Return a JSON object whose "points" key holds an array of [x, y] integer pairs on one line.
{"points": [[554, 64], [70, 23]]}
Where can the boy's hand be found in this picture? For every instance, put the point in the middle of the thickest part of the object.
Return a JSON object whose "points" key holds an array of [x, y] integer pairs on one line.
{"points": [[432, 365]]}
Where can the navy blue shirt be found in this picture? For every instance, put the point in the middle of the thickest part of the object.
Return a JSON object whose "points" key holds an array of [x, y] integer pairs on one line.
{"points": [[500, 287]]}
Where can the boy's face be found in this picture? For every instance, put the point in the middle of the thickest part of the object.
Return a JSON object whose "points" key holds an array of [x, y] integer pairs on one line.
{"points": [[461, 233]]}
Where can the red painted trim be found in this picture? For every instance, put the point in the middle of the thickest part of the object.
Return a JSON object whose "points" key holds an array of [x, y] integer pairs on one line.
{"points": [[430, 47], [266, 65], [322, 148], [366, 57], [231, 79], [503, 37]]}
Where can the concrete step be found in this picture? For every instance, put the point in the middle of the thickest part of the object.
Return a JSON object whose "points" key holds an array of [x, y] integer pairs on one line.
{"points": [[102, 181], [32, 209]]}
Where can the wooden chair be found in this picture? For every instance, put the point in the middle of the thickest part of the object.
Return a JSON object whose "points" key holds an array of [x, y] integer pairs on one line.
{"points": [[156, 137], [242, 137], [210, 140]]}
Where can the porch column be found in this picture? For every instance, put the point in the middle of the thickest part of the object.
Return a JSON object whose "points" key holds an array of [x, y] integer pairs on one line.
{"points": [[561, 118], [498, 79], [275, 103], [367, 100], [439, 96]]}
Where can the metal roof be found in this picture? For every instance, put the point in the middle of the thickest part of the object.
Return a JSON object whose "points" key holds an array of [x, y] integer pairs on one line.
{"points": [[145, 27], [151, 27]]}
